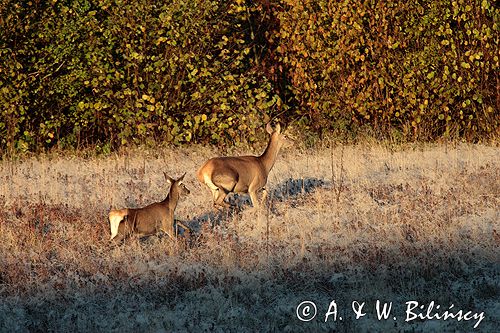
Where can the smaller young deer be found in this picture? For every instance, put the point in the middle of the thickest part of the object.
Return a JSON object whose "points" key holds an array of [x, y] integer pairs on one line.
{"points": [[152, 218]]}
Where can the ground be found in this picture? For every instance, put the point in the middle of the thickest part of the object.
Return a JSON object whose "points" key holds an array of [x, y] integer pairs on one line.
{"points": [[348, 223]]}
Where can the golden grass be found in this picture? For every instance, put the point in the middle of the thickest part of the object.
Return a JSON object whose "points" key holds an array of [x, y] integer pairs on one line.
{"points": [[345, 223]]}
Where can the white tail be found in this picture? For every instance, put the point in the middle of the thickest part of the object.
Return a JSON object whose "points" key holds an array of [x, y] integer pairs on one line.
{"points": [[115, 218]]}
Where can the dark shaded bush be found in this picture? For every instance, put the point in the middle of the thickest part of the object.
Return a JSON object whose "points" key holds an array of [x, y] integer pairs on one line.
{"points": [[111, 72], [83, 72], [420, 69]]}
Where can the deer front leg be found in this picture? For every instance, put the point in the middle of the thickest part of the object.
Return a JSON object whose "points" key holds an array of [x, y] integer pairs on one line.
{"points": [[254, 199], [167, 226], [264, 195]]}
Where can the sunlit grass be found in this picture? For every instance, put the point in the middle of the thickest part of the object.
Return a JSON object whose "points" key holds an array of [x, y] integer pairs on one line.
{"points": [[353, 222]]}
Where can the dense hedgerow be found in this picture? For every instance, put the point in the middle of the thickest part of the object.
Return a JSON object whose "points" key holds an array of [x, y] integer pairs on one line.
{"points": [[112, 72], [425, 69], [120, 71]]}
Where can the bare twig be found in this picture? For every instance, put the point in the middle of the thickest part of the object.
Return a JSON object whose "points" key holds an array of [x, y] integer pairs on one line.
{"points": [[338, 184]]}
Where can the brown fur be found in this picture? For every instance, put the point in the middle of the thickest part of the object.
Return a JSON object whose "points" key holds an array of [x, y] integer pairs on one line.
{"points": [[241, 174], [153, 218]]}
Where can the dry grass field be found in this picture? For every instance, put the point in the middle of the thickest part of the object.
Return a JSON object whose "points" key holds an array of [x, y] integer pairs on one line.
{"points": [[354, 223]]}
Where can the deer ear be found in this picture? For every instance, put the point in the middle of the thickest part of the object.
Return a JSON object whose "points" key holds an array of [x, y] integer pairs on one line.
{"points": [[168, 178], [278, 128], [269, 129], [181, 177]]}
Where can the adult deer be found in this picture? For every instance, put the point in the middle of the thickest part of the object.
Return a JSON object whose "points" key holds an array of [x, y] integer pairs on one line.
{"points": [[242, 174], [151, 219]]}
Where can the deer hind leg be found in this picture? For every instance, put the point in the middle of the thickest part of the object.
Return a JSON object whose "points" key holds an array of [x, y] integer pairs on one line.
{"points": [[218, 193], [213, 188], [219, 197]]}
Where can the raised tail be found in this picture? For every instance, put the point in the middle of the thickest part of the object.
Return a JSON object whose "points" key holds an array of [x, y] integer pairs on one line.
{"points": [[115, 217]]}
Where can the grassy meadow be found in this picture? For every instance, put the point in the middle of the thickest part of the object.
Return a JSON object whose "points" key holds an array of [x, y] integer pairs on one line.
{"points": [[349, 223]]}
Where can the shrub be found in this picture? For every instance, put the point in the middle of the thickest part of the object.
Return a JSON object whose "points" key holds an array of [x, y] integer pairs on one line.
{"points": [[426, 69], [112, 72]]}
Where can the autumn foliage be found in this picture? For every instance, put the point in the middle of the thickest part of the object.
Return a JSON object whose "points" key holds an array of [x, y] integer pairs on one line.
{"points": [[108, 72]]}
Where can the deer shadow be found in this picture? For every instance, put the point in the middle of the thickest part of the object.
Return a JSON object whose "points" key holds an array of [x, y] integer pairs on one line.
{"points": [[286, 190], [293, 188]]}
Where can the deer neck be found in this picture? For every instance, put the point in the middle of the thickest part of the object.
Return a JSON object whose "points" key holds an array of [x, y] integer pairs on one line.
{"points": [[172, 198], [268, 158]]}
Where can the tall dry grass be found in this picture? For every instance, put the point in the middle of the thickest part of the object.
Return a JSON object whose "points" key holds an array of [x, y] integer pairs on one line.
{"points": [[347, 223]]}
